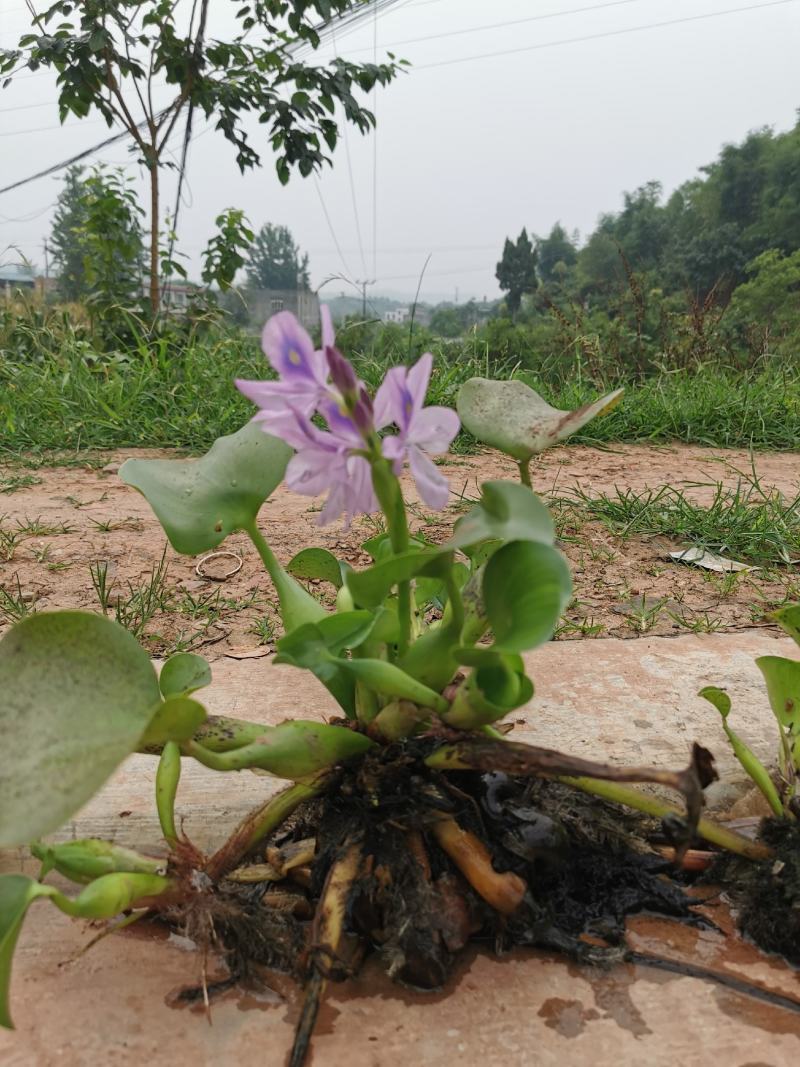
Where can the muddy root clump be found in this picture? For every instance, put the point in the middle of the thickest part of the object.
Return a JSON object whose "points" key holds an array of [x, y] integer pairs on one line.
{"points": [[767, 894]]}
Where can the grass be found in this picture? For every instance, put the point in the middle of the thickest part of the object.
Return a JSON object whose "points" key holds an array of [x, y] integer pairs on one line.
{"points": [[746, 522], [183, 396]]}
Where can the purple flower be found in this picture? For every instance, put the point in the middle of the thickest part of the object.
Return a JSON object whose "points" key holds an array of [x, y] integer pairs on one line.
{"points": [[325, 461], [400, 400], [302, 369]]}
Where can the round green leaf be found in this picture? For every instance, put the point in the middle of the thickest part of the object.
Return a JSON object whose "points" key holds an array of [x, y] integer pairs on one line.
{"points": [[316, 563], [177, 719], [507, 511], [783, 688], [184, 673], [76, 693], [513, 418], [200, 501], [789, 619], [526, 587]]}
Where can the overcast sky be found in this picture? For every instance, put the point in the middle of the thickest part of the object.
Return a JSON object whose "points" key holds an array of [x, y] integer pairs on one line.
{"points": [[469, 147]]}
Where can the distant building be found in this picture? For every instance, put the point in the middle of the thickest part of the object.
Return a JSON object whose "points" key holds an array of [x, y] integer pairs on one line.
{"points": [[16, 277], [176, 297], [304, 305], [399, 315]]}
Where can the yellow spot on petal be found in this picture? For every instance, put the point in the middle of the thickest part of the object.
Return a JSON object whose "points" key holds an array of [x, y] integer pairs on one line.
{"points": [[294, 357]]}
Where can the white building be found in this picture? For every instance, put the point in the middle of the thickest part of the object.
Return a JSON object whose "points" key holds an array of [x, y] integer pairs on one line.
{"points": [[400, 315]]}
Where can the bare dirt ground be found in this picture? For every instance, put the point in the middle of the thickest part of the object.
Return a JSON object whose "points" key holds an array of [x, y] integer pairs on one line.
{"points": [[60, 522]]}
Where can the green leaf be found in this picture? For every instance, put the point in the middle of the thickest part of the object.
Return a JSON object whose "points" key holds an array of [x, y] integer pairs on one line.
{"points": [[76, 694], [316, 563], [200, 501], [316, 646], [747, 758], [17, 891], [719, 698], [526, 587], [783, 688], [496, 685], [512, 417], [184, 673], [506, 511], [177, 719], [370, 587], [789, 619]]}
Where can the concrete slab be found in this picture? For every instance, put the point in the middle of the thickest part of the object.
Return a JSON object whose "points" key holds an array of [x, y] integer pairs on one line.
{"points": [[623, 700]]}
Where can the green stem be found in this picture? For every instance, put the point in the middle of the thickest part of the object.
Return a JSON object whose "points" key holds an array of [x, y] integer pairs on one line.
{"points": [[455, 603], [525, 472], [296, 603], [390, 497], [259, 823], [167, 777], [650, 805]]}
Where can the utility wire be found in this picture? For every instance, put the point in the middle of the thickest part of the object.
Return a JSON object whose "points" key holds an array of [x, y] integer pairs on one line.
{"points": [[353, 198], [599, 36], [508, 22], [330, 227]]}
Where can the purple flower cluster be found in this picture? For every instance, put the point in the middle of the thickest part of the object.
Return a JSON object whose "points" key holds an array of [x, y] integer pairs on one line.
{"points": [[322, 381]]}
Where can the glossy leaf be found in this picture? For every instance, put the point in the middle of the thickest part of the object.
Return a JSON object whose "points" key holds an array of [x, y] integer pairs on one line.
{"points": [[783, 688], [184, 673], [17, 891], [496, 685], [76, 694], [200, 501], [789, 619], [506, 511], [747, 758], [512, 417], [177, 719], [316, 564], [316, 646], [370, 587], [526, 587]]}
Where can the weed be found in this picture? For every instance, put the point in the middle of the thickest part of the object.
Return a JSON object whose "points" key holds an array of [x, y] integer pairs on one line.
{"points": [[101, 584], [642, 614], [110, 525], [36, 528], [15, 482], [42, 553], [263, 629], [700, 623], [745, 521], [136, 608], [8, 542], [15, 605]]}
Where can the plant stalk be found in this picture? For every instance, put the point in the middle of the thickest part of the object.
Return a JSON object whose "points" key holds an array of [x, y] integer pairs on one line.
{"points": [[650, 805], [261, 822]]}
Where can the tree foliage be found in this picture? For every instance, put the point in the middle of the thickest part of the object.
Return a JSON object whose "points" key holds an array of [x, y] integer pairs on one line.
{"points": [[275, 261], [97, 239], [516, 271], [116, 56]]}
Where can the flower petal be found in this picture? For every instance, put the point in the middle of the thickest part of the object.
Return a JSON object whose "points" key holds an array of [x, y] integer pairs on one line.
{"points": [[417, 378], [433, 429], [388, 403], [432, 485], [290, 350]]}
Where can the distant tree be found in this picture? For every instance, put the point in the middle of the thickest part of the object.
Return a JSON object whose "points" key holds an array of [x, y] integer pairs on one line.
{"points": [[769, 298], [516, 271], [274, 260], [447, 322], [557, 248], [66, 238], [110, 56], [97, 239], [226, 250]]}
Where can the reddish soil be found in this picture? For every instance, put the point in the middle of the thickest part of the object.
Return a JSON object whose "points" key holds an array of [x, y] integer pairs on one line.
{"points": [[91, 517]]}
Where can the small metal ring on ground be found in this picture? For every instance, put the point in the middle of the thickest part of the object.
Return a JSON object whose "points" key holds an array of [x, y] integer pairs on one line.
{"points": [[218, 555]]}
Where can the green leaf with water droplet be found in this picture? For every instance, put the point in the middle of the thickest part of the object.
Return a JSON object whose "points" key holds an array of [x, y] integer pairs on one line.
{"points": [[200, 501]]}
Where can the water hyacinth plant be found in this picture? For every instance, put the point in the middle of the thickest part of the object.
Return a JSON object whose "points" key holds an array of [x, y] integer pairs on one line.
{"points": [[411, 816]]}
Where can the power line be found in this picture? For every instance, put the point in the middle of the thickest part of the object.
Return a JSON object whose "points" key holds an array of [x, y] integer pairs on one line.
{"points": [[46, 129], [599, 36], [353, 198], [508, 22], [330, 227]]}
